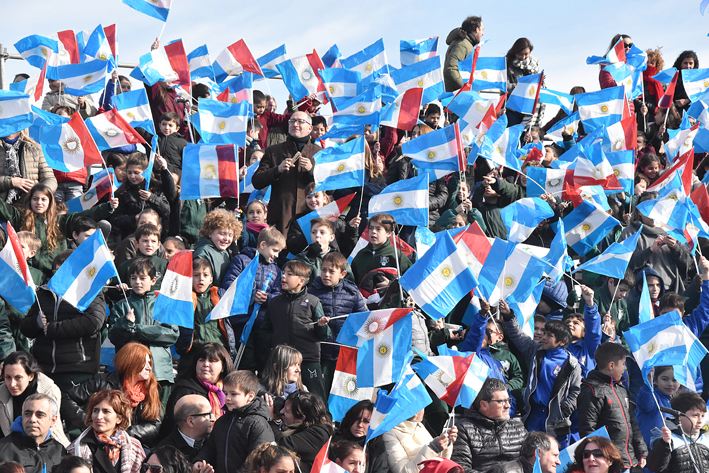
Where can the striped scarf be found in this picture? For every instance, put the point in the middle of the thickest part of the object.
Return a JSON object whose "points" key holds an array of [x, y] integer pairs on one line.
{"points": [[112, 445], [216, 397]]}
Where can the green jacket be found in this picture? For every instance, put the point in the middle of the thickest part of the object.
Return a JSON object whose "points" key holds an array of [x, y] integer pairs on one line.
{"points": [[460, 45], [316, 264], [448, 216], [44, 257], [511, 368], [219, 260], [7, 341], [160, 269], [369, 259], [159, 337], [619, 309], [509, 193], [192, 215]]}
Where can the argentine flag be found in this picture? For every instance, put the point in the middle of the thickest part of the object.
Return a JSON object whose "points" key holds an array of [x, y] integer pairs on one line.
{"points": [[405, 200], [340, 167], [586, 225], [365, 109], [601, 108], [270, 60], [342, 84], [83, 79], [417, 50], [696, 82], [37, 49], [614, 261], [370, 60], [552, 97], [381, 359], [134, 107], [523, 216], [436, 153], [15, 112], [426, 74], [223, 123], [525, 96], [200, 64], [158, 9]]}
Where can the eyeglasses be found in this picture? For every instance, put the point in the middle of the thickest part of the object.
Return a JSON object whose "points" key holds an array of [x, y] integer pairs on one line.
{"points": [[501, 401], [596, 453], [490, 332], [293, 121], [210, 414], [145, 467]]}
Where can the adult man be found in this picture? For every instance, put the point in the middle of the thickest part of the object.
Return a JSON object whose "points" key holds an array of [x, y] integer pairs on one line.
{"points": [[486, 435], [548, 455], [461, 42], [288, 168], [194, 422], [30, 443]]}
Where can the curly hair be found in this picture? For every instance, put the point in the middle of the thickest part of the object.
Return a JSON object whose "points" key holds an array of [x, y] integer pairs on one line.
{"points": [[220, 219], [119, 403]]}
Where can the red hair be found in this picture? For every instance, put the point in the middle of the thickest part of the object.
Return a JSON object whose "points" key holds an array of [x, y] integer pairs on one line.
{"points": [[129, 361]]}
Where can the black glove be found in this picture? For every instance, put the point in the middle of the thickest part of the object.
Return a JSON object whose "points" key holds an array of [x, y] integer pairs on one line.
{"points": [[314, 250]]}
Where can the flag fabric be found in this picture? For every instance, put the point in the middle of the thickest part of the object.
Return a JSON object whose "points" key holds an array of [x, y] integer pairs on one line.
{"points": [[523, 216], [69, 146], [503, 142], [345, 392], [331, 211], [614, 261], [223, 123], [525, 97], [209, 171], [679, 166], [235, 59], [365, 109], [134, 107], [340, 167], [237, 89], [669, 207], [475, 245], [322, 463], [545, 181], [440, 279], [111, 130], [567, 456], [572, 125], [526, 310], [83, 79], [173, 304], [417, 50], [490, 74], [339, 132], [426, 74], [594, 194], [380, 360], [403, 112], [681, 143], [37, 49], [614, 56], [332, 56], [300, 76], [696, 82], [270, 60], [368, 61], [237, 298], [101, 185], [456, 380], [645, 311], [247, 184], [158, 9], [382, 407], [84, 273], [34, 86], [360, 327], [470, 107], [587, 225], [666, 100], [98, 47], [154, 67], [200, 64], [436, 153], [603, 107], [699, 110], [621, 136], [15, 112], [425, 239], [552, 97], [42, 118], [342, 85], [405, 200], [16, 284], [179, 63], [592, 168], [363, 241]]}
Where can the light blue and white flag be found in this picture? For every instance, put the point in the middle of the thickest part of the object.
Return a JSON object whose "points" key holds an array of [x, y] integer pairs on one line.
{"points": [[345, 392], [37, 49], [601, 108], [365, 109], [340, 167], [587, 225], [572, 125], [155, 67], [596, 195], [82, 276], [696, 82], [332, 56], [523, 216], [371, 59], [98, 47], [417, 50], [525, 310], [405, 200], [552, 97], [223, 123], [380, 360], [645, 310], [503, 145], [83, 79], [158, 9], [426, 74], [237, 298], [134, 107], [15, 112], [384, 405], [435, 153], [623, 163], [200, 64], [270, 60], [525, 97], [247, 185], [42, 118], [342, 84], [552, 181], [614, 261], [669, 208], [490, 73], [665, 76]]}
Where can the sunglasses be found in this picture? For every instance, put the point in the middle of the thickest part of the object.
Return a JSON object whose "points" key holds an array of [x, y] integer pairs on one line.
{"points": [[145, 467], [627, 46], [586, 454]]}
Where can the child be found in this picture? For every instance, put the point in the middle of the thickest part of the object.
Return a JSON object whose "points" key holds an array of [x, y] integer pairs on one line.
{"points": [[604, 402], [490, 196], [585, 331], [256, 213], [134, 198], [270, 244], [219, 230], [204, 298], [147, 242], [126, 249], [656, 288], [243, 428], [37, 213], [289, 320], [460, 221], [322, 234], [671, 450], [266, 118], [170, 142], [338, 297], [31, 244], [618, 307], [461, 205], [132, 321], [172, 245], [117, 161], [650, 166], [553, 300], [81, 229], [665, 387], [554, 379], [319, 128]]}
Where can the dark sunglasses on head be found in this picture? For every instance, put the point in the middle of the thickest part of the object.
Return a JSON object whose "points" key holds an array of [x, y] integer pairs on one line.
{"points": [[145, 467], [586, 454]]}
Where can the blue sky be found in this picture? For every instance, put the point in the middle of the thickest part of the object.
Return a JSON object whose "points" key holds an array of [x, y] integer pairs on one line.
{"points": [[563, 33]]}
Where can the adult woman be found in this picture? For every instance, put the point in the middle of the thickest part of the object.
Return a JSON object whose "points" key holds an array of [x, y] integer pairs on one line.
{"points": [[105, 445], [520, 63], [212, 363], [167, 459], [304, 426], [604, 77], [596, 455], [270, 458], [134, 376], [353, 428], [409, 443], [22, 377], [23, 167], [281, 375], [686, 60]]}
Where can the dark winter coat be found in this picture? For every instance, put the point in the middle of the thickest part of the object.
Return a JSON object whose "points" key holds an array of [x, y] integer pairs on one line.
{"points": [[130, 204], [183, 386], [175, 439], [346, 237], [306, 441], [674, 457], [437, 199], [24, 450]]}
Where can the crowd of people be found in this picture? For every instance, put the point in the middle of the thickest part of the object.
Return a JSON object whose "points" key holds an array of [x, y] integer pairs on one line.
{"points": [[61, 410]]}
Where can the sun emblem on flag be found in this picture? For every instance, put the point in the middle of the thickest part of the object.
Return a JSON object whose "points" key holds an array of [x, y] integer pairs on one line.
{"points": [[72, 145], [307, 75], [88, 78], [616, 173], [373, 326], [484, 74], [222, 125], [360, 109], [420, 83], [332, 89], [398, 200], [173, 287], [444, 378], [480, 107], [553, 183], [532, 90], [618, 145], [130, 114], [91, 271], [234, 100], [103, 57], [369, 67], [431, 155], [604, 108], [586, 227], [44, 51], [340, 168], [571, 130], [91, 193], [384, 350], [672, 196], [509, 280], [112, 132], [651, 349], [210, 172], [498, 149], [350, 386], [597, 173], [688, 141], [706, 83], [446, 272]]}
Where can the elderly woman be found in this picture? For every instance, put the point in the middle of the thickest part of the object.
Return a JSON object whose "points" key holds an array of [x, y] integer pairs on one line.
{"points": [[22, 165]]}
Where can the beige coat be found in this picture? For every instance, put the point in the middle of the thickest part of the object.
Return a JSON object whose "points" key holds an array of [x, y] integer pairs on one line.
{"points": [[53, 98], [408, 444], [44, 386], [32, 166]]}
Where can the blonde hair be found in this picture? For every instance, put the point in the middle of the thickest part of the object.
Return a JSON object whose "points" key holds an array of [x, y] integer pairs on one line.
{"points": [[219, 219]]}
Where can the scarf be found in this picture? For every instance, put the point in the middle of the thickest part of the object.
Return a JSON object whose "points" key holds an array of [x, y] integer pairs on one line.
{"points": [[301, 142], [216, 397], [112, 445], [12, 166], [136, 392], [654, 87], [256, 227], [529, 66], [290, 388]]}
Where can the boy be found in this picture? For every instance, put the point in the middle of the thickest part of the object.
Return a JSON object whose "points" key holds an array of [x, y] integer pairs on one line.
{"points": [[132, 321], [539, 322], [292, 313], [322, 234], [30, 246], [617, 307], [170, 142], [554, 378], [585, 331], [147, 243], [604, 402], [319, 128], [670, 451], [242, 429], [125, 249], [204, 298], [219, 230], [656, 288], [81, 229], [269, 244], [266, 118], [338, 296]]}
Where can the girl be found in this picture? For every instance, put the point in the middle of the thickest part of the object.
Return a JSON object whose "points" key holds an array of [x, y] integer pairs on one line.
{"points": [[256, 213], [117, 161], [281, 375], [650, 166], [37, 213], [348, 455], [647, 414], [270, 458], [461, 206], [134, 198]]}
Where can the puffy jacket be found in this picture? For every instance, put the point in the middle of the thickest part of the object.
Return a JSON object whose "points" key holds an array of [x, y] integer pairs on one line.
{"points": [[555, 295], [483, 442], [304, 440], [264, 268], [369, 259], [32, 166], [674, 457], [74, 401], [236, 434], [24, 450], [437, 199], [605, 402], [460, 45], [72, 343], [130, 205], [183, 386], [516, 466], [314, 262], [408, 444], [342, 299]]}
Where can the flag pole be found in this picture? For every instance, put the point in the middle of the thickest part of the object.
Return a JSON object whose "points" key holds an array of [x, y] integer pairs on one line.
{"points": [[642, 86], [652, 389], [398, 270]]}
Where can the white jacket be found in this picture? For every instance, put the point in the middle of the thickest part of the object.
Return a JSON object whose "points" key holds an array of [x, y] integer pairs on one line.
{"points": [[408, 444]]}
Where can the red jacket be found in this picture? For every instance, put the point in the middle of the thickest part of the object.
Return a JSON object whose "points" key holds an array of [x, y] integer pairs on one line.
{"points": [[606, 80], [267, 120]]}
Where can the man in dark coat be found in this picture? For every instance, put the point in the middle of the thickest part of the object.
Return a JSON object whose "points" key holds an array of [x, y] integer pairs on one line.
{"points": [[286, 173], [486, 435], [194, 422], [548, 455]]}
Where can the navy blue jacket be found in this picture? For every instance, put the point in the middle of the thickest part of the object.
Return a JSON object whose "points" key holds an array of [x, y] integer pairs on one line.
{"points": [[584, 349]]}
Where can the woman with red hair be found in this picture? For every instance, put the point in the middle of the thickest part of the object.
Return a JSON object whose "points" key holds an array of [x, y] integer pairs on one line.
{"points": [[596, 455], [134, 377]]}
